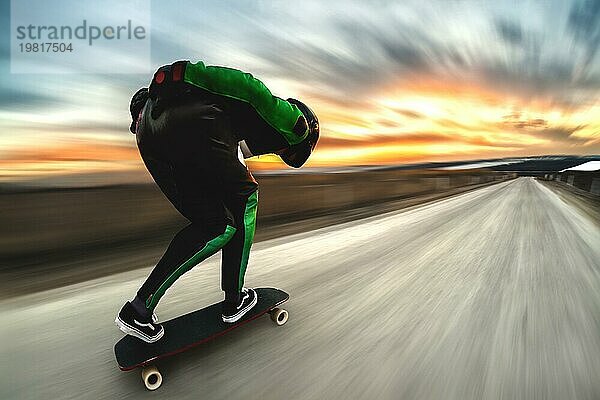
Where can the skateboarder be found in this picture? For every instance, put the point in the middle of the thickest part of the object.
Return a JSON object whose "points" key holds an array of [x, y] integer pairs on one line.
{"points": [[194, 125]]}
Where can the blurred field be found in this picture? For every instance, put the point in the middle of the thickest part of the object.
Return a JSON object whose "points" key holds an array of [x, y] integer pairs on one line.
{"points": [[51, 237], [49, 223]]}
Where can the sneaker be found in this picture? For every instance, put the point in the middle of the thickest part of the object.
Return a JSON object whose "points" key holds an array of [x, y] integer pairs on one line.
{"points": [[154, 316], [233, 313], [132, 324]]}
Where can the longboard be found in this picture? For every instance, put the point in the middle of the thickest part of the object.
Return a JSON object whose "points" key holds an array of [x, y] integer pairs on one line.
{"points": [[191, 330]]}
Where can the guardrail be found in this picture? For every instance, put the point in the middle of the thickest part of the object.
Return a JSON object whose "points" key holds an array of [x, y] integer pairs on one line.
{"points": [[588, 181]]}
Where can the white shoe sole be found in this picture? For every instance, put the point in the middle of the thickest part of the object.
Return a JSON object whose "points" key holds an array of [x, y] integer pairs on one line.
{"points": [[237, 316], [127, 329]]}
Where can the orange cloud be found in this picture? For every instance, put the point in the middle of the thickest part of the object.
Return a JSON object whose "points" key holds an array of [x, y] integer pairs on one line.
{"points": [[404, 121], [68, 158], [78, 151]]}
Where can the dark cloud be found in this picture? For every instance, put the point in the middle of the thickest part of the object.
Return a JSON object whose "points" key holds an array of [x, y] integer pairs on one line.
{"points": [[562, 134], [408, 113], [14, 98], [584, 23], [538, 65], [510, 31], [556, 81], [377, 50], [540, 128], [388, 123], [366, 50], [515, 120]]}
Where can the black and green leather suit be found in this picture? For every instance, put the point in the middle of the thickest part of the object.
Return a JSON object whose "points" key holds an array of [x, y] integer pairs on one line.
{"points": [[188, 134]]}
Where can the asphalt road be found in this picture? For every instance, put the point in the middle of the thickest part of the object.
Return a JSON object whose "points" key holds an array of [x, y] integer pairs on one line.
{"points": [[492, 294]]}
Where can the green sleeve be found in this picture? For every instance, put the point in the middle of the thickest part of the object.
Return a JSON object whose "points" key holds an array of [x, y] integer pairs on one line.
{"points": [[232, 83]]}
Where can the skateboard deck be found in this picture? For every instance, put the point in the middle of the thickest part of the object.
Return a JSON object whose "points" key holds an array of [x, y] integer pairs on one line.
{"points": [[193, 329]]}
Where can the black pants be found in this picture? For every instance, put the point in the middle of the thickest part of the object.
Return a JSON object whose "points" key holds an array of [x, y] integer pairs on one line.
{"points": [[192, 154]]}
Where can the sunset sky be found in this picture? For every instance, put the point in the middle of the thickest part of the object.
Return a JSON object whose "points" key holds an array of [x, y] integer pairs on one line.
{"points": [[392, 82]]}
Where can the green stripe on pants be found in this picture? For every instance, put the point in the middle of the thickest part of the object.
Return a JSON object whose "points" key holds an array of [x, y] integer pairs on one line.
{"points": [[249, 227], [211, 247]]}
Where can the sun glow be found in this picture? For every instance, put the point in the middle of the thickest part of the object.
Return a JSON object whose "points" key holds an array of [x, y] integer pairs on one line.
{"points": [[433, 121], [401, 123]]}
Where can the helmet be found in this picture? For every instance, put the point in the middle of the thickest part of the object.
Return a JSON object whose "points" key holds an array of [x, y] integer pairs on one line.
{"points": [[138, 101], [297, 154]]}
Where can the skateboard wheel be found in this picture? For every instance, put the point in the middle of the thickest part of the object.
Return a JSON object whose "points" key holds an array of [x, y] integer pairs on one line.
{"points": [[151, 377], [279, 316]]}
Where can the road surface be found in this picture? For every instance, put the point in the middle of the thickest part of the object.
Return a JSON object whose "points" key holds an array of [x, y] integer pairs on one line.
{"points": [[492, 294]]}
